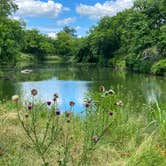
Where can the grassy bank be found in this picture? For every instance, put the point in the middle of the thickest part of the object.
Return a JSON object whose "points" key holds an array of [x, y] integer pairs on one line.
{"points": [[108, 132], [32, 58]]}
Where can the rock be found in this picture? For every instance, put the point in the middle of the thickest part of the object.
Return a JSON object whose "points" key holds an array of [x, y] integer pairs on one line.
{"points": [[26, 71]]}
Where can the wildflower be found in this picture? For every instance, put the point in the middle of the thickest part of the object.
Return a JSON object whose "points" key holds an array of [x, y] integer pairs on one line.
{"points": [[72, 103], [54, 99], [101, 88], [15, 98], [87, 104], [106, 93], [57, 112], [29, 107], [67, 113], [26, 115], [110, 113], [111, 91], [48, 102], [34, 92], [119, 103], [56, 95], [95, 138]]}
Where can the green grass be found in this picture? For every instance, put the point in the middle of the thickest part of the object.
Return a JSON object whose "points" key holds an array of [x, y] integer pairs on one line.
{"points": [[126, 138]]}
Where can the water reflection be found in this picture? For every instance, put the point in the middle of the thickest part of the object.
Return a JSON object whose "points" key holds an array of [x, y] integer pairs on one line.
{"points": [[72, 82], [7, 89], [67, 90]]}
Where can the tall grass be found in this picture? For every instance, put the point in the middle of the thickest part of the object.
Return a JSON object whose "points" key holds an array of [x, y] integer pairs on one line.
{"points": [[108, 133]]}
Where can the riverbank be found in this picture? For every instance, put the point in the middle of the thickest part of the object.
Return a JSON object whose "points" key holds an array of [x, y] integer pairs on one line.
{"points": [[111, 133], [158, 69], [140, 66]]}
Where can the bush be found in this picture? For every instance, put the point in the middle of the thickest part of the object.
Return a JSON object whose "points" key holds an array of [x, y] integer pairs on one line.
{"points": [[159, 68], [118, 63], [139, 65]]}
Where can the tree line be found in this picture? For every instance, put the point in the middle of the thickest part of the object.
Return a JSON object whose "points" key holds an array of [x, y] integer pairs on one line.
{"points": [[134, 39]]}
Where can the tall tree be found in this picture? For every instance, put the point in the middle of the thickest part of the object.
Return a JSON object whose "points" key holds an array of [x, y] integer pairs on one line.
{"points": [[7, 7], [70, 31]]}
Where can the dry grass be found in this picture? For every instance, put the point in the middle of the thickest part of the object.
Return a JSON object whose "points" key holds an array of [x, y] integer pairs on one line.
{"points": [[130, 143]]}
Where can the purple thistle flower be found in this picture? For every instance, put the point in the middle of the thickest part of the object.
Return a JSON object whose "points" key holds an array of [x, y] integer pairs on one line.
{"points": [[87, 104], [110, 113], [48, 102], [57, 112], [29, 107]]}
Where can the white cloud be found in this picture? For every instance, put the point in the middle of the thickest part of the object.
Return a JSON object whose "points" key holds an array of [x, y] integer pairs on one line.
{"points": [[15, 17], [45, 30], [79, 36], [51, 32], [52, 35], [77, 27], [66, 21], [108, 8], [38, 8]]}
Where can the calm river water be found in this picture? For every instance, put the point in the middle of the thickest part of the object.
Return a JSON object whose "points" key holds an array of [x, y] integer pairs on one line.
{"points": [[73, 82]]}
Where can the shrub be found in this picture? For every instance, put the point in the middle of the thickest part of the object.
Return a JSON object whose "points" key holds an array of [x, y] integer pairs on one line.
{"points": [[159, 67]]}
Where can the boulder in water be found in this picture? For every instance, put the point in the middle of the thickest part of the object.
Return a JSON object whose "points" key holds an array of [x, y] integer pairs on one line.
{"points": [[26, 71]]}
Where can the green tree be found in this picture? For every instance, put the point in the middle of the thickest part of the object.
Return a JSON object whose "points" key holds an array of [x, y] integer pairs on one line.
{"points": [[7, 7], [70, 31], [37, 44], [11, 32], [11, 36], [64, 44]]}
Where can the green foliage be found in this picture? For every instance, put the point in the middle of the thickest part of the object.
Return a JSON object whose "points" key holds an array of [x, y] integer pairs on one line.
{"points": [[159, 67], [37, 44], [136, 35], [11, 36], [138, 65], [64, 44], [7, 7], [11, 32], [70, 31], [147, 155], [162, 40]]}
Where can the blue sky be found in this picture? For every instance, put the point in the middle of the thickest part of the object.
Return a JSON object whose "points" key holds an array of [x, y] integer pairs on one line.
{"points": [[50, 16]]}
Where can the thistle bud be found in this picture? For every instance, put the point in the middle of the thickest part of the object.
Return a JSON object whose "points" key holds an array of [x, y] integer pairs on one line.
{"points": [[34, 92]]}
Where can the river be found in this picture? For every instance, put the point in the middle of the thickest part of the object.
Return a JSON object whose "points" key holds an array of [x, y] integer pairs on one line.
{"points": [[73, 82]]}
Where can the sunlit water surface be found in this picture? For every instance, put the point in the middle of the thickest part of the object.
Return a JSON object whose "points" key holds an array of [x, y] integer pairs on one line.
{"points": [[73, 82]]}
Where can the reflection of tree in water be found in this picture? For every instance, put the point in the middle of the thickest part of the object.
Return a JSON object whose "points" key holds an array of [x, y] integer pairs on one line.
{"points": [[87, 73], [154, 90], [7, 89], [137, 88]]}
